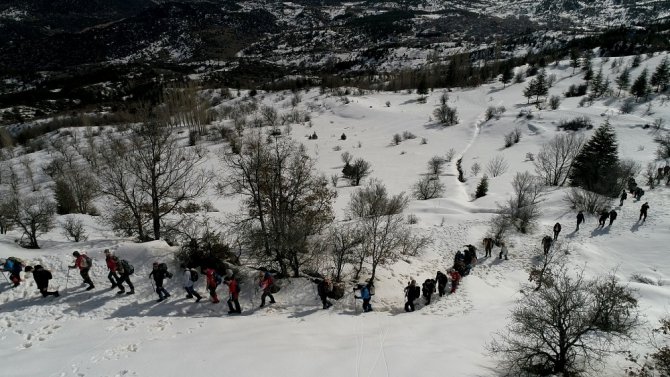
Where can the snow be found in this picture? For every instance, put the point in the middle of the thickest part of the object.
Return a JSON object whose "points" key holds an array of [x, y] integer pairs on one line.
{"points": [[98, 333]]}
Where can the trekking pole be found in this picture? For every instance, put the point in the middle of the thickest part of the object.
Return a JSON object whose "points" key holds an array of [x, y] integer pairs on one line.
{"points": [[5, 276], [67, 278]]}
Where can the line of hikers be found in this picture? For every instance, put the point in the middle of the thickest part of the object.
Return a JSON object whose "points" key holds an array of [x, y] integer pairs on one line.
{"points": [[120, 270]]}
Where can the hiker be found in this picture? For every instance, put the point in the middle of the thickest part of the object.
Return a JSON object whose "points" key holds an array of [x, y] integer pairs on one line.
{"points": [[488, 246], [428, 289], [190, 276], [624, 196], [638, 193], [159, 272], [455, 279], [83, 263], [323, 288], [212, 282], [503, 251], [266, 286], [14, 266], [470, 255], [613, 216], [42, 278], [643, 212], [546, 244], [125, 270], [459, 256], [580, 219], [366, 295], [557, 230], [111, 266], [604, 215], [412, 292], [234, 295], [442, 281], [666, 170]]}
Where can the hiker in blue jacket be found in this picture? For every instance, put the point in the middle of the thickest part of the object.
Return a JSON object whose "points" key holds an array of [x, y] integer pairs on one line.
{"points": [[366, 295]]}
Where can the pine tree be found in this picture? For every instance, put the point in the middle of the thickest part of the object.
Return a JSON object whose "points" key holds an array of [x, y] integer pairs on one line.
{"points": [[588, 72], [595, 167], [482, 187], [541, 86], [574, 60], [597, 83], [507, 75], [640, 87], [623, 81], [661, 76]]}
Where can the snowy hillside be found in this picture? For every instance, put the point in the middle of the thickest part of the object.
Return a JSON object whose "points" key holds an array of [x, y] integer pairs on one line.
{"points": [[97, 333]]}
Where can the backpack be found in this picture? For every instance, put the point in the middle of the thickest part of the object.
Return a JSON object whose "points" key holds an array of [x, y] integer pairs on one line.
{"points": [[194, 275], [417, 291], [218, 278], [127, 267], [87, 261], [274, 287], [163, 268]]}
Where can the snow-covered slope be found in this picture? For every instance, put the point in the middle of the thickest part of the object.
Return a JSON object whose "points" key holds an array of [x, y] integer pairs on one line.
{"points": [[98, 333]]}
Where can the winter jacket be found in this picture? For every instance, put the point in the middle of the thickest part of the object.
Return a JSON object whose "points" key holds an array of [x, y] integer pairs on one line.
{"points": [[187, 279], [233, 288], [211, 280], [80, 262], [613, 215], [441, 279], [42, 278], [266, 283], [557, 227], [644, 208], [323, 288], [158, 275], [111, 263], [455, 276], [410, 292], [624, 196], [365, 293]]}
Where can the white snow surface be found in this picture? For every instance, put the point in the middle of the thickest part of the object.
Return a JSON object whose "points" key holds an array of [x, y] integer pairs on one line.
{"points": [[98, 333]]}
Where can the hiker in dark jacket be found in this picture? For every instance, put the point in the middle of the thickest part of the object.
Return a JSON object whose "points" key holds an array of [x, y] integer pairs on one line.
{"points": [[428, 289], [411, 292], [323, 288], [111, 266], [442, 282], [580, 219], [234, 295], [604, 215], [488, 246], [643, 212], [546, 244], [42, 278], [159, 272], [123, 269], [624, 196], [557, 230], [82, 263], [613, 216]]}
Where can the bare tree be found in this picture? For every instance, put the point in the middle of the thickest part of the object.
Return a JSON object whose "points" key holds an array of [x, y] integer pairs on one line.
{"points": [[27, 163], [522, 208], [359, 170], [380, 220], [446, 115], [270, 116], [428, 187], [346, 157], [149, 175], [566, 328], [554, 161], [436, 165], [285, 201], [73, 229], [343, 241], [34, 215], [475, 168], [450, 155], [588, 201], [497, 166]]}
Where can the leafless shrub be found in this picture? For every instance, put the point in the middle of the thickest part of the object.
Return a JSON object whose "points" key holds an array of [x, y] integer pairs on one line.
{"points": [[73, 229], [428, 187], [587, 201], [554, 161], [497, 166], [450, 155], [436, 165]]}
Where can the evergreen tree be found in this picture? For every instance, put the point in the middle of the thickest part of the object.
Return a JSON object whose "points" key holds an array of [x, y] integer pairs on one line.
{"points": [[640, 88], [482, 187], [596, 166], [541, 86], [574, 60], [623, 81], [597, 83], [588, 72], [661, 76], [422, 86], [507, 75]]}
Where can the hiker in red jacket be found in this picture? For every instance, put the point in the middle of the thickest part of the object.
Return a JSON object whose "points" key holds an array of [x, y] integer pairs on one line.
{"points": [[211, 284], [266, 286], [233, 298], [455, 279], [111, 266], [83, 263]]}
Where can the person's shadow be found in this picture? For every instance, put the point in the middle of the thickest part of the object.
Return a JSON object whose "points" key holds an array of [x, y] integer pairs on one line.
{"points": [[600, 231], [636, 226]]}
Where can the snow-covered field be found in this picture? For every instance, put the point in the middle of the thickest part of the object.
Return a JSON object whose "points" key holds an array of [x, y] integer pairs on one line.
{"points": [[98, 333]]}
